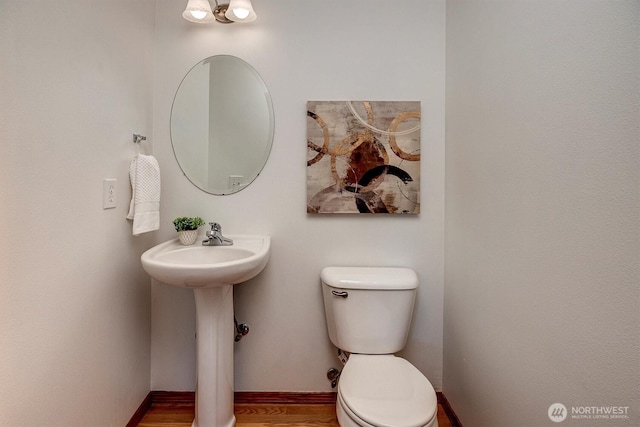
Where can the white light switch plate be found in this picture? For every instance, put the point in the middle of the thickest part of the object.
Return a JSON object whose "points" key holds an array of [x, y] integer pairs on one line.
{"points": [[109, 193]]}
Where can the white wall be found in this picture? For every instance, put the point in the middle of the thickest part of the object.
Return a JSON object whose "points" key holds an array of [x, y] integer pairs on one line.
{"points": [[74, 302], [329, 50], [542, 190]]}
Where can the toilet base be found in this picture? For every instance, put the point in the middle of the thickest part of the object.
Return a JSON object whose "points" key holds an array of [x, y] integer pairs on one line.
{"points": [[343, 417]]}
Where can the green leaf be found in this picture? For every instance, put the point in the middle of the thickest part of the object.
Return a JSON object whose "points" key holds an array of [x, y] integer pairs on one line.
{"points": [[186, 223]]}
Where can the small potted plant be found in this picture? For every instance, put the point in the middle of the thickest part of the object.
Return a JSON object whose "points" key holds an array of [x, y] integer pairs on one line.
{"points": [[187, 228]]}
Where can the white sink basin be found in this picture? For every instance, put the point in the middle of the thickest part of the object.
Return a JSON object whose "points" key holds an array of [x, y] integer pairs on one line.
{"points": [[207, 266]]}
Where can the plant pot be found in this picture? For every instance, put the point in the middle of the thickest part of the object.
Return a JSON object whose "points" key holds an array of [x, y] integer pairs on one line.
{"points": [[188, 237]]}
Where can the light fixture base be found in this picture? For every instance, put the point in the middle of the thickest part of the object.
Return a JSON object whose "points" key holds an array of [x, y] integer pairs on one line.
{"points": [[219, 14]]}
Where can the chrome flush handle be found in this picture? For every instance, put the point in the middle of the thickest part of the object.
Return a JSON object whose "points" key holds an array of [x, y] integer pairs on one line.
{"points": [[342, 294]]}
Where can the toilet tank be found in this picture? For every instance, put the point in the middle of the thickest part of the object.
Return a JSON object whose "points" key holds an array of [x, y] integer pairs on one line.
{"points": [[368, 309]]}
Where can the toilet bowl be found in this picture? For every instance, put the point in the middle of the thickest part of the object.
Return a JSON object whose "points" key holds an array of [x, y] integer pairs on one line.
{"points": [[384, 390], [368, 313]]}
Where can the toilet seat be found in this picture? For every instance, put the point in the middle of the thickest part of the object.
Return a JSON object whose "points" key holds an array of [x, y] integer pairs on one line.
{"points": [[386, 391]]}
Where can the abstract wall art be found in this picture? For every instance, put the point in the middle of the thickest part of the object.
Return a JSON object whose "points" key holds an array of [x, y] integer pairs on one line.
{"points": [[363, 157]]}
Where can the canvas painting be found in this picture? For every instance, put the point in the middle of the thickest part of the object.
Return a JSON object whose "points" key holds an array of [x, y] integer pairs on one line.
{"points": [[363, 157]]}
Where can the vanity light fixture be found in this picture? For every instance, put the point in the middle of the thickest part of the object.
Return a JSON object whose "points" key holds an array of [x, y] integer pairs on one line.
{"points": [[200, 11]]}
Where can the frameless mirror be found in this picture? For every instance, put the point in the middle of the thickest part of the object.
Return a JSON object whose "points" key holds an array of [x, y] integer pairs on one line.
{"points": [[222, 124]]}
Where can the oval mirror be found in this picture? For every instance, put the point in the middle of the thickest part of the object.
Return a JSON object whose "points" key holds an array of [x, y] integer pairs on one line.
{"points": [[222, 124]]}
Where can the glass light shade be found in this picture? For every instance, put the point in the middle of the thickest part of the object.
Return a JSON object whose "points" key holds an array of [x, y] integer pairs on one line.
{"points": [[198, 11], [240, 11]]}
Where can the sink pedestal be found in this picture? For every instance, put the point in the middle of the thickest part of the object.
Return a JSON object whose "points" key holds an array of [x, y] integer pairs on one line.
{"points": [[214, 341]]}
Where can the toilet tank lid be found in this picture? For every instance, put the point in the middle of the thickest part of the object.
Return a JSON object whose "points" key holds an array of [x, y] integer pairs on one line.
{"points": [[382, 278]]}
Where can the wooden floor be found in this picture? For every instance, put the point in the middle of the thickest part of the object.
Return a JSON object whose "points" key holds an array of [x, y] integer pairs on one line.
{"points": [[256, 415]]}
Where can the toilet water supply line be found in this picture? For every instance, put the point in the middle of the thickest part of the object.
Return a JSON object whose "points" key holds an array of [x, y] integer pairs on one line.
{"points": [[333, 374]]}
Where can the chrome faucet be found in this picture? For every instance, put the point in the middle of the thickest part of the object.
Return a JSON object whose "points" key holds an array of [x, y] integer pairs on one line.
{"points": [[215, 237]]}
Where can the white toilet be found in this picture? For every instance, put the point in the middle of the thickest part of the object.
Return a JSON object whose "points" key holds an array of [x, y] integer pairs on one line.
{"points": [[368, 312]]}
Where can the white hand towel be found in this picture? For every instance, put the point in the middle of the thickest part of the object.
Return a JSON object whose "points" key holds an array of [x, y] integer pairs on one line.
{"points": [[144, 210]]}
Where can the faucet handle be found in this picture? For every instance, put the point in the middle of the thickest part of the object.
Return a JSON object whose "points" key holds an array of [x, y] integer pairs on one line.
{"points": [[215, 226]]}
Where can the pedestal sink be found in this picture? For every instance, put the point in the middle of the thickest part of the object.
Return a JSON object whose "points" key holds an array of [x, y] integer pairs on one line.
{"points": [[211, 271]]}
